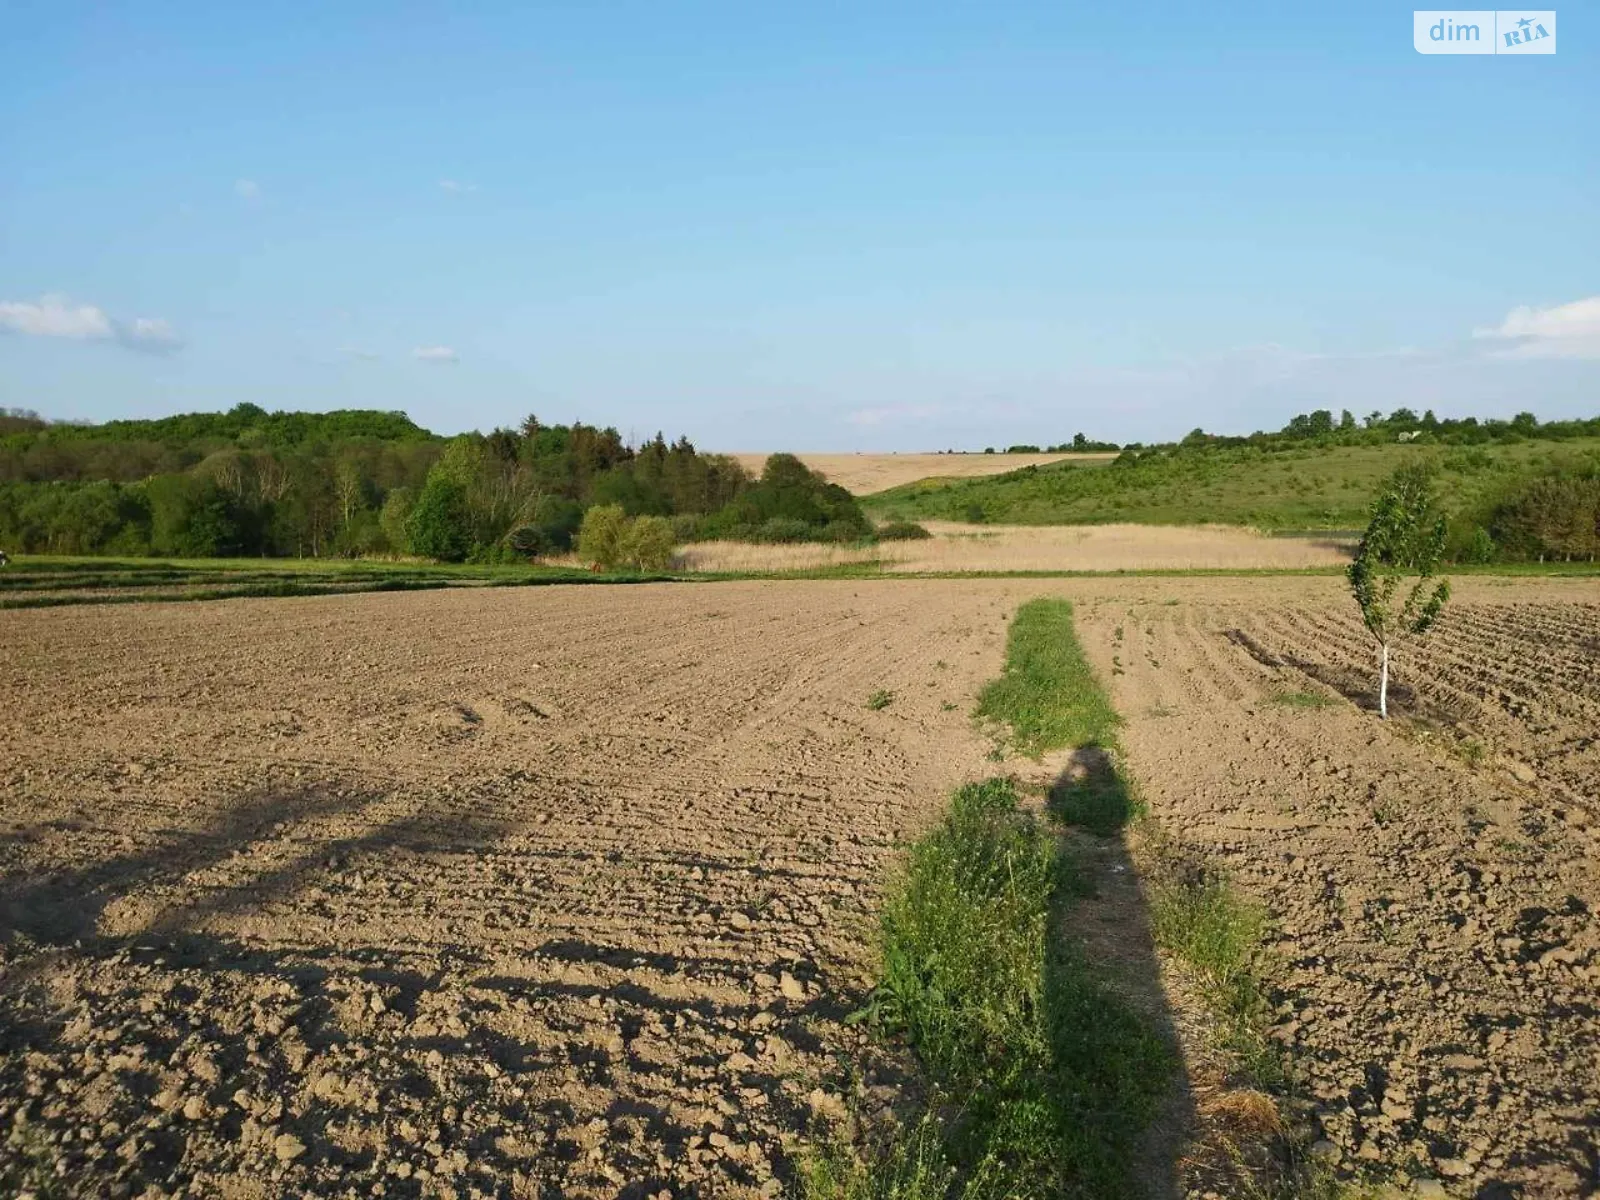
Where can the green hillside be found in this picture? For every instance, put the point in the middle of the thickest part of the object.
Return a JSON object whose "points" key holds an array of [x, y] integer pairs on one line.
{"points": [[1302, 489], [1308, 487]]}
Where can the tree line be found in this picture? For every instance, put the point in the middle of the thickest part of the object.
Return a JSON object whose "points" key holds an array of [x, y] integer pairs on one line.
{"points": [[1321, 427], [248, 482]]}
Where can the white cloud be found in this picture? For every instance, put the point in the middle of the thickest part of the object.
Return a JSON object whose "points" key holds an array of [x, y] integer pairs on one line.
{"points": [[455, 185], [56, 316], [148, 333], [436, 354], [1561, 331], [247, 189]]}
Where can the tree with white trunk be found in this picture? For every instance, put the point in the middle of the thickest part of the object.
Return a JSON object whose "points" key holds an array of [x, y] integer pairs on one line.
{"points": [[1392, 576]]}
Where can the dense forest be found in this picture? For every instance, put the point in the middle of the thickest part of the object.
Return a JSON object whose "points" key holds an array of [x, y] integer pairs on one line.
{"points": [[249, 482]]}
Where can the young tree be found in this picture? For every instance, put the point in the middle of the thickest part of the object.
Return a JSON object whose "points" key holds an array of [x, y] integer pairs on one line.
{"points": [[394, 516], [1400, 550]]}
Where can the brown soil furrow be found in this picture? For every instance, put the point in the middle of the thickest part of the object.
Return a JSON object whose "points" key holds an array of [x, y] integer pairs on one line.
{"points": [[529, 869], [530, 893], [1436, 919]]}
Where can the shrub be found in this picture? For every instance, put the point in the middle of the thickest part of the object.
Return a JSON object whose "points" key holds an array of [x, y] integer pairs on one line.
{"points": [[600, 537], [842, 532], [528, 541], [647, 543], [790, 503], [191, 518], [902, 531], [558, 519], [492, 555], [783, 529]]}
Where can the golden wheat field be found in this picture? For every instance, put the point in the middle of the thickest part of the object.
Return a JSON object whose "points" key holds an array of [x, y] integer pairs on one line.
{"points": [[957, 547], [866, 473]]}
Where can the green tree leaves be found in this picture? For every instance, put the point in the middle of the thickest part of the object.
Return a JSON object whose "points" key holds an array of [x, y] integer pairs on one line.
{"points": [[610, 539], [600, 536], [440, 526], [1392, 577]]}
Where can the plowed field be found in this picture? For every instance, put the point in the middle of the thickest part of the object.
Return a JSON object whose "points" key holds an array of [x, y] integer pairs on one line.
{"points": [[1434, 881], [565, 891], [552, 893]]}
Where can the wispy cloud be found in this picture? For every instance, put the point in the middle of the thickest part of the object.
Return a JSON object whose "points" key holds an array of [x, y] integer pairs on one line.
{"points": [[1560, 331], [895, 414], [247, 189], [455, 185], [436, 354], [148, 333], [57, 317], [358, 352]]}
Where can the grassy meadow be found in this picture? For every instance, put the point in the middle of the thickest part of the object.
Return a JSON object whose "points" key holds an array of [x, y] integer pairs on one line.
{"points": [[1328, 488]]}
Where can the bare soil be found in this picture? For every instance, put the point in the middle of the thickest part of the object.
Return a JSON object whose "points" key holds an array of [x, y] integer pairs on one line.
{"points": [[556, 892], [566, 891], [1433, 879]]}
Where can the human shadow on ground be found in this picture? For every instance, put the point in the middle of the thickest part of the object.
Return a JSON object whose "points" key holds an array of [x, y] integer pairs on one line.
{"points": [[1214, 1132], [62, 907], [1100, 912], [159, 972]]}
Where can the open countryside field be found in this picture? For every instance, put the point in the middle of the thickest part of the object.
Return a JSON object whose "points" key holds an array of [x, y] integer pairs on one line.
{"points": [[865, 473], [1315, 487], [1433, 882], [527, 893], [566, 891], [957, 547]]}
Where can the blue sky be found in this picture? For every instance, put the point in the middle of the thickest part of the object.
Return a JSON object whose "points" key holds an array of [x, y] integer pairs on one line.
{"points": [[808, 227]]}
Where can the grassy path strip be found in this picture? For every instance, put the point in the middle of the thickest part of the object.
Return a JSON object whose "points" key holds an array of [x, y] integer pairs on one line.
{"points": [[43, 582], [1041, 1078]]}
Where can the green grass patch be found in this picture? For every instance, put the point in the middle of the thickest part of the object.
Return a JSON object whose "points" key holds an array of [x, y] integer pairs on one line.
{"points": [[1196, 915], [1047, 693], [915, 1167], [35, 581], [880, 699], [1041, 1077], [1094, 795], [1301, 699]]}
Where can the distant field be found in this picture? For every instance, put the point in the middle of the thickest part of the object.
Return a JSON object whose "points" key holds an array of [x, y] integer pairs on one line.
{"points": [[1326, 488], [1000, 548], [866, 473]]}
